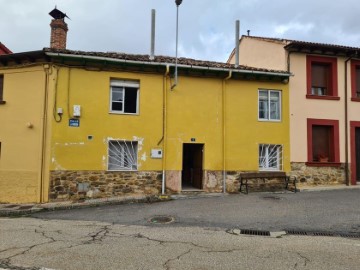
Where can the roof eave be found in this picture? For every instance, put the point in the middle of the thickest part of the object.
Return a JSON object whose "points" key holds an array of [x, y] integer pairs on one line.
{"points": [[165, 64]]}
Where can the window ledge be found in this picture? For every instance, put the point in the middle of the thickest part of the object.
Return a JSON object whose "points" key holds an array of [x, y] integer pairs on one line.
{"points": [[323, 164], [355, 99], [322, 97], [2, 102]]}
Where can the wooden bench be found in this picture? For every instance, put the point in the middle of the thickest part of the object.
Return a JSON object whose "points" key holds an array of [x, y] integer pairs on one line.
{"points": [[245, 176]]}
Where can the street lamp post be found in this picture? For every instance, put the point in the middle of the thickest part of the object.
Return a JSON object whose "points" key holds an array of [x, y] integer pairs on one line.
{"points": [[178, 3]]}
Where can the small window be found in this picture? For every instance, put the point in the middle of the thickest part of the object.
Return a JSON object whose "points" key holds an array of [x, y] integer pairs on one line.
{"points": [[269, 105], [322, 77], [1, 87], [323, 141], [124, 97], [270, 157], [322, 148], [355, 80], [122, 155]]}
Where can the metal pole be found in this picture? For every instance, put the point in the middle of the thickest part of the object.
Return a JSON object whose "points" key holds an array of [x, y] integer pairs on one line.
{"points": [[237, 30], [152, 52], [178, 3]]}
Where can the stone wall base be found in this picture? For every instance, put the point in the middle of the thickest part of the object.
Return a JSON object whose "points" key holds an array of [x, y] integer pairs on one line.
{"points": [[314, 176], [73, 185]]}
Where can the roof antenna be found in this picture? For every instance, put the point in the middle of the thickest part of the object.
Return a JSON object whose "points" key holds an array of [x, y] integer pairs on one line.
{"points": [[178, 3]]}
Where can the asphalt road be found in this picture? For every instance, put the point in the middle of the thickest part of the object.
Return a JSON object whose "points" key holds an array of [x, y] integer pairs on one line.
{"points": [[325, 211], [37, 244]]}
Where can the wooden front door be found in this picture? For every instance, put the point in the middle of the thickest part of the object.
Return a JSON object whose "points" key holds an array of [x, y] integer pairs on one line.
{"points": [[357, 153]]}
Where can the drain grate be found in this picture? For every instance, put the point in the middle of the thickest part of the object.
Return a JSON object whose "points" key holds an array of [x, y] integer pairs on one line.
{"points": [[162, 219], [255, 232], [348, 235], [292, 232], [329, 234]]}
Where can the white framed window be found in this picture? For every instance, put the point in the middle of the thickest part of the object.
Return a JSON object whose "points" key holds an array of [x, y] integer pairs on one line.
{"points": [[122, 155], [269, 105], [270, 157], [124, 97]]}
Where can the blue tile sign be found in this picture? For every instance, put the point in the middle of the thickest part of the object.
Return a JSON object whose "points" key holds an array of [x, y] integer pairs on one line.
{"points": [[74, 122]]}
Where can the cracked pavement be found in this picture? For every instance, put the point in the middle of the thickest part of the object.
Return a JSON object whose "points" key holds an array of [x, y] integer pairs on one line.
{"points": [[27, 243]]}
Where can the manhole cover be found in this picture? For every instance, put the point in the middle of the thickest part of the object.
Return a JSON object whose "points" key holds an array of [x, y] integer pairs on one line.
{"points": [[276, 198], [25, 207], [161, 219]]}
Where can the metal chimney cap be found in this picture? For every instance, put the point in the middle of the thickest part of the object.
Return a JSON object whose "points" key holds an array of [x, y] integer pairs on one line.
{"points": [[178, 2], [57, 14]]}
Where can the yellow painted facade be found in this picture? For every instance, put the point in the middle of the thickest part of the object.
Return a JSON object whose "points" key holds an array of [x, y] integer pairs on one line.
{"points": [[21, 134], [193, 112]]}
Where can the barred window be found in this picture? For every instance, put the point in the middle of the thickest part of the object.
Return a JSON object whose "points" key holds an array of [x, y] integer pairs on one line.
{"points": [[270, 157], [122, 155]]}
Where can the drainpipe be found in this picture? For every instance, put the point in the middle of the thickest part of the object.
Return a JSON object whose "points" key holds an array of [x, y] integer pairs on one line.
{"points": [[347, 178], [44, 135], [224, 128], [164, 129]]}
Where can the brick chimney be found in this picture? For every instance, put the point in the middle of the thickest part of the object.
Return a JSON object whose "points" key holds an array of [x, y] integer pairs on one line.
{"points": [[59, 30]]}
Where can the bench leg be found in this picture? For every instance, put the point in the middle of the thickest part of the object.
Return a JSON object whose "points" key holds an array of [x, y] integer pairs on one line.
{"points": [[246, 186], [287, 183]]}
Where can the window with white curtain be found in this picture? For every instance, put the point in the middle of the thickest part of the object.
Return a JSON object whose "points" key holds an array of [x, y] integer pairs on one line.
{"points": [[124, 97], [269, 105]]}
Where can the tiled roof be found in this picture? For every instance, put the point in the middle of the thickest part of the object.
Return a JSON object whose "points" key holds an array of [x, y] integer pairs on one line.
{"points": [[159, 59], [298, 44], [4, 49]]}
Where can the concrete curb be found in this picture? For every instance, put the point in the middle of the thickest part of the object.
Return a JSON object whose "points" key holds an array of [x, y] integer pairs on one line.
{"points": [[16, 209]]}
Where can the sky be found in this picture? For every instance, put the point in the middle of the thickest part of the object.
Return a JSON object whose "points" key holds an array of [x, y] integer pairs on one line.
{"points": [[206, 27]]}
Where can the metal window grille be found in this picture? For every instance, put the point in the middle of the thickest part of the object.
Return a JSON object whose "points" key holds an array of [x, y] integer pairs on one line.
{"points": [[270, 157], [122, 155]]}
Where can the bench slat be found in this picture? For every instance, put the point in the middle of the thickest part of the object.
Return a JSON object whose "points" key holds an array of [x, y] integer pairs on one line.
{"points": [[262, 175]]}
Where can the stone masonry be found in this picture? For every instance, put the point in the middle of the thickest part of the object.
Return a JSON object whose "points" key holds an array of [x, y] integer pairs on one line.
{"points": [[74, 185], [313, 176]]}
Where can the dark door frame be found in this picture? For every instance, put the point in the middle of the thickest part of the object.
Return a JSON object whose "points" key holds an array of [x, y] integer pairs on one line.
{"points": [[353, 126], [197, 170]]}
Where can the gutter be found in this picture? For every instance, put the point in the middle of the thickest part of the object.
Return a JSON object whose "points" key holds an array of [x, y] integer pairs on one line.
{"points": [[100, 58], [44, 135], [163, 182], [224, 127], [347, 178]]}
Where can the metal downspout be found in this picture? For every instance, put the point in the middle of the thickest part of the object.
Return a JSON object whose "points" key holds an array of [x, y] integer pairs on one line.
{"points": [[347, 178], [44, 134], [164, 129], [224, 128]]}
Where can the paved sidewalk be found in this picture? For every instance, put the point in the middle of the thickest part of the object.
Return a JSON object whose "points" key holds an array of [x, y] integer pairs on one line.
{"points": [[25, 209]]}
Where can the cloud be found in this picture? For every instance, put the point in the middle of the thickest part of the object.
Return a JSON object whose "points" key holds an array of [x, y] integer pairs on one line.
{"points": [[206, 26], [283, 29]]}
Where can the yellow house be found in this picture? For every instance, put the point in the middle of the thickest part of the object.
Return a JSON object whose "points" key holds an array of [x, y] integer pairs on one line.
{"points": [[106, 124]]}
